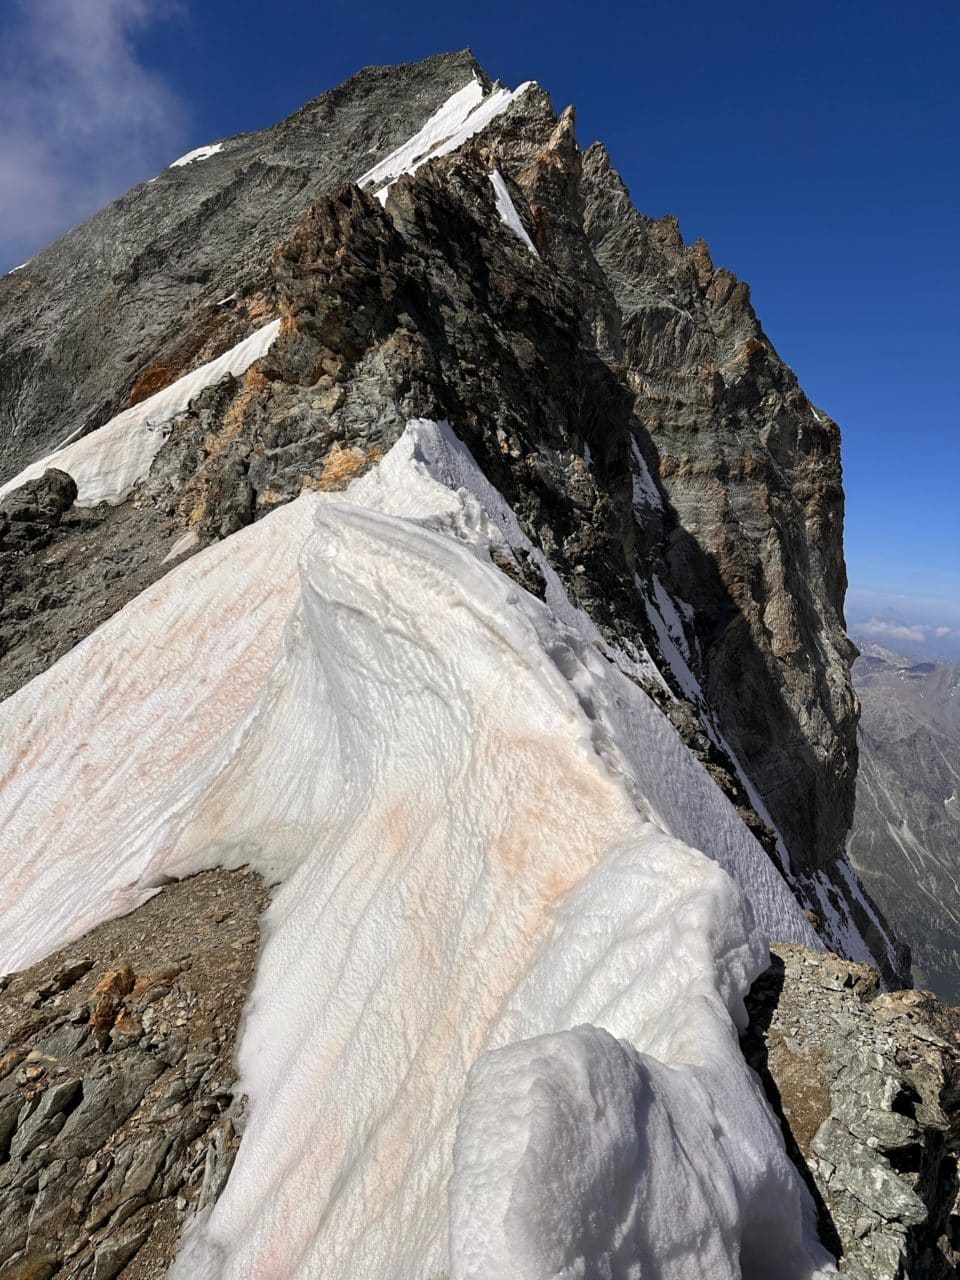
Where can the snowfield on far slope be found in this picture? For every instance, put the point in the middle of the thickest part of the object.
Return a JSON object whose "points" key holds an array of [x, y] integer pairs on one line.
{"points": [[494, 1025]]}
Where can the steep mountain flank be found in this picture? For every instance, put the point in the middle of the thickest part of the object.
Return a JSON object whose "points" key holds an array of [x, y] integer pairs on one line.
{"points": [[752, 474], [136, 296], [905, 840], [388, 508], [613, 384]]}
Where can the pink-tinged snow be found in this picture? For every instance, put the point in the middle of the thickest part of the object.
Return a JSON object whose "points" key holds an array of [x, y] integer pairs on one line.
{"points": [[199, 153], [508, 212], [464, 114], [109, 462], [147, 707], [483, 834]]}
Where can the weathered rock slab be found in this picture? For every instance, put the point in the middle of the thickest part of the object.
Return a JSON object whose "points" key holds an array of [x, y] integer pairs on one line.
{"points": [[867, 1086], [119, 1108]]}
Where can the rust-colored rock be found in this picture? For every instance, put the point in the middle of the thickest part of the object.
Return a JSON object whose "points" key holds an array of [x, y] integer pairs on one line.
{"points": [[107, 996]]}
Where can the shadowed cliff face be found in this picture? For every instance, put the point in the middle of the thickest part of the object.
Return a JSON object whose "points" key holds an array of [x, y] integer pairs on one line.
{"points": [[752, 472], [614, 386]]}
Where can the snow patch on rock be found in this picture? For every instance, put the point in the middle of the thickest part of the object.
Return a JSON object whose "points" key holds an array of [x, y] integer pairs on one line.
{"points": [[186, 542], [665, 620], [199, 153], [464, 114], [645, 491], [837, 924], [109, 462], [507, 211]]}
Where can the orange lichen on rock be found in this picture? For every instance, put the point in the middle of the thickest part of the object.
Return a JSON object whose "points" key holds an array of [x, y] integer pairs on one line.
{"points": [[193, 500], [259, 308], [203, 342], [340, 466], [214, 332], [253, 383], [162, 977], [107, 996], [153, 379]]}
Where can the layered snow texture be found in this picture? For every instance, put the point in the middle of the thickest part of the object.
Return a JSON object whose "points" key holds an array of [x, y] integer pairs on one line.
{"points": [[638, 1159], [493, 1026], [464, 114], [108, 463]]}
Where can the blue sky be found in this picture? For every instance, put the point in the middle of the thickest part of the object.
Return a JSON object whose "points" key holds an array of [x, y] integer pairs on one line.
{"points": [[814, 146]]}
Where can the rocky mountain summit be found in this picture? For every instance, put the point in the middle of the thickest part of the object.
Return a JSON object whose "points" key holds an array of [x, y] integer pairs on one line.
{"points": [[711, 479], [905, 840], [416, 317]]}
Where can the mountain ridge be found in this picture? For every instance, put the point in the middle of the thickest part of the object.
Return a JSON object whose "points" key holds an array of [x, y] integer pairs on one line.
{"points": [[530, 386], [560, 181]]}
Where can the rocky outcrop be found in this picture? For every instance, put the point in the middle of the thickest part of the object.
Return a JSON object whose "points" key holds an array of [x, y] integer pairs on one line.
{"points": [[29, 513], [169, 274], [867, 1088], [119, 1112]]}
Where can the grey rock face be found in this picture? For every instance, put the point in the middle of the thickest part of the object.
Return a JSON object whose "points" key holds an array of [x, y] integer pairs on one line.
{"points": [[119, 1111], [616, 388], [753, 537], [866, 1087], [42, 501], [105, 310], [905, 840], [29, 514]]}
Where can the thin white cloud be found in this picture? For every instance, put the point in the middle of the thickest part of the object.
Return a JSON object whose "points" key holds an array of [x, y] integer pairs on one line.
{"points": [[886, 629], [81, 116], [939, 610], [879, 629]]}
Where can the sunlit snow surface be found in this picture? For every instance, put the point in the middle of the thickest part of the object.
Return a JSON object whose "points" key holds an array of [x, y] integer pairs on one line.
{"points": [[477, 823], [464, 114], [507, 211], [109, 462], [200, 153]]}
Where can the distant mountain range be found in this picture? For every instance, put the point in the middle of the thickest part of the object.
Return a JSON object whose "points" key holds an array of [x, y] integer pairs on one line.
{"points": [[935, 640], [905, 841]]}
